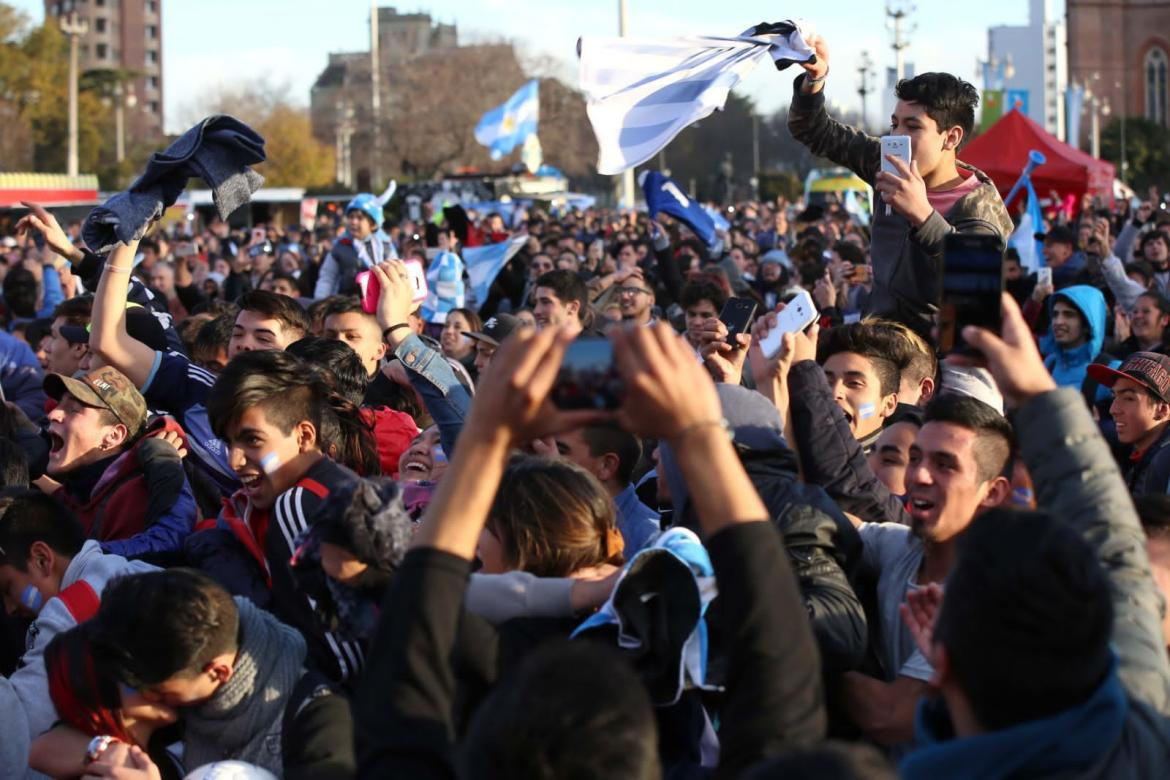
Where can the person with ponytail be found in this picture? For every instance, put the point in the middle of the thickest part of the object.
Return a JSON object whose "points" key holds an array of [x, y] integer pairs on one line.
{"points": [[293, 440], [94, 705]]}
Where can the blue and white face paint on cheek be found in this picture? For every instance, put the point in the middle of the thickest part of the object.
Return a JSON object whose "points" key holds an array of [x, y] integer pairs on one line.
{"points": [[865, 411], [270, 462], [32, 599]]}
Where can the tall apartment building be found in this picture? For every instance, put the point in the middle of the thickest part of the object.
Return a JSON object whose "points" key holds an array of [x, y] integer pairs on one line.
{"points": [[1038, 54], [127, 35]]}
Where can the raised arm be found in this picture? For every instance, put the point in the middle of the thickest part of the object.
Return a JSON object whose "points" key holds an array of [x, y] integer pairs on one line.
{"points": [[1077, 480], [108, 336]]}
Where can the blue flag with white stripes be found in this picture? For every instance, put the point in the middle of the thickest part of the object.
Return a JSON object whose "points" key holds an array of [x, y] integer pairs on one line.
{"points": [[506, 126]]}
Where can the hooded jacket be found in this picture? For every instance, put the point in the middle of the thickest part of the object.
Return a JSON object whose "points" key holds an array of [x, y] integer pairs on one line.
{"points": [[1068, 366], [906, 261], [823, 546]]}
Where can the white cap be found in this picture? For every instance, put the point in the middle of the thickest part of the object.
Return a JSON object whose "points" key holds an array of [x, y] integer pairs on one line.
{"points": [[973, 382]]}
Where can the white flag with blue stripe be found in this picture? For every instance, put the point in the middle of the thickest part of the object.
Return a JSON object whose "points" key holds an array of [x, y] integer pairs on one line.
{"points": [[508, 125], [643, 91], [1023, 238], [484, 264]]}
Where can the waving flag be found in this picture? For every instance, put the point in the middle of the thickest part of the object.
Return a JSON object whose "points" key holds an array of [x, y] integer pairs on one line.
{"points": [[643, 91], [1023, 238], [444, 287], [664, 194], [507, 126], [484, 264]]}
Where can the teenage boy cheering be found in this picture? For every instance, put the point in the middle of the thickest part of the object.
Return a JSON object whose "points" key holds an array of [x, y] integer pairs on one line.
{"points": [[1141, 412], [932, 197]]}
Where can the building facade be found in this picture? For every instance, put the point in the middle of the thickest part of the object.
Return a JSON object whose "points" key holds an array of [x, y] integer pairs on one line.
{"points": [[123, 35], [1038, 57], [341, 101], [1120, 50]]}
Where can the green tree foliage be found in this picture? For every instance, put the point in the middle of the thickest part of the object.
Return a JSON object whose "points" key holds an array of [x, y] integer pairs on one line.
{"points": [[1147, 150]]}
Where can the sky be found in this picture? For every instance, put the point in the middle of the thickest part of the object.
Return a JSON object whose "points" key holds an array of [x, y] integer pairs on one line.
{"points": [[207, 43]]}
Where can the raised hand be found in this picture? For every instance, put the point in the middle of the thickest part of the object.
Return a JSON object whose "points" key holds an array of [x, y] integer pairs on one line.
{"points": [[919, 613], [906, 192], [1012, 358], [46, 224], [724, 361]]}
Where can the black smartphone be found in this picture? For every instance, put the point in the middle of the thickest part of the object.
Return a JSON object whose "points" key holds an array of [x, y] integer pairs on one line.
{"points": [[737, 315], [588, 378], [972, 285]]}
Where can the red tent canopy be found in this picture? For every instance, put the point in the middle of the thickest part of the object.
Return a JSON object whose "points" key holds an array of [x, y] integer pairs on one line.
{"points": [[1002, 153]]}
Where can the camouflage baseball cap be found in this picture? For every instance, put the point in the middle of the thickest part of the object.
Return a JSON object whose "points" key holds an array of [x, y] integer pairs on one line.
{"points": [[103, 388]]}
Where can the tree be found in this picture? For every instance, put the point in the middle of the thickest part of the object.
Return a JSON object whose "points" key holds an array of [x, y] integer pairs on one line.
{"points": [[1147, 150], [295, 157]]}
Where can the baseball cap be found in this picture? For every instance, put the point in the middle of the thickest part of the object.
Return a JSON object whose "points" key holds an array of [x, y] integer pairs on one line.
{"points": [[141, 325], [496, 329], [104, 388], [1146, 368], [1061, 234]]}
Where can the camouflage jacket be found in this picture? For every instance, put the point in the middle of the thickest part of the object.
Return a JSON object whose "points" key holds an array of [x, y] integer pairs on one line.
{"points": [[906, 262]]}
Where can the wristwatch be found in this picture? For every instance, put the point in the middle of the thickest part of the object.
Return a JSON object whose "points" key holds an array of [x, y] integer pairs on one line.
{"points": [[98, 745]]}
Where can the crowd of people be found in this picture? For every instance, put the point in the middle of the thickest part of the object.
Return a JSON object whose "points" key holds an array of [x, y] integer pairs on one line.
{"points": [[252, 514]]}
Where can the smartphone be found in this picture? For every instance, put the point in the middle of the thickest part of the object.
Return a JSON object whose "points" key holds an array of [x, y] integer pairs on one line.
{"points": [[797, 315], [737, 315], [1044, 276], [370, 288], [588, 378], [898, 146], [972, 284]]}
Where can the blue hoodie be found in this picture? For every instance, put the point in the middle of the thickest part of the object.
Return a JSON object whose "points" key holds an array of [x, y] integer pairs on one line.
{"points": [[1068, 365]]}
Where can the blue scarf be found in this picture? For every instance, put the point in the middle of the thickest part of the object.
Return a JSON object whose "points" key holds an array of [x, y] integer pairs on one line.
{"points": [[1072, 739]]}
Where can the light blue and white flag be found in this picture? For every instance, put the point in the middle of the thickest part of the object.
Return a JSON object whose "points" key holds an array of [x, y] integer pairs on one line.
{"points": [[484, 264], [855, 209], [507, 126], [444, 287], [1023, 238], [643, 91]]}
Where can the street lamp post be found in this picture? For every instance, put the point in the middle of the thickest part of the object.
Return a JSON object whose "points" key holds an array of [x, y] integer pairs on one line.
{"points": [[73, 26], [627, 187]]}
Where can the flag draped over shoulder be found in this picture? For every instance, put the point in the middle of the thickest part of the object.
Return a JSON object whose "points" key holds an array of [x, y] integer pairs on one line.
{"points": [[484, 264], [643, 91], [444, 287], [508, 125], [663, 194]]}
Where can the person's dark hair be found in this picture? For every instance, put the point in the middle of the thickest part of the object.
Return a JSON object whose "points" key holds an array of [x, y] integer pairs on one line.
{"points": [[1154, 512], [20, 292], [831, 758], [155, 625], [1158, 300], [994, 438], [13, 465], [35, 331], [920, 360], [28, 516], [474, 321], [1011, 253], [342, 304], [524, 729], [285, 310], [344, 369], [883, 347], [85, 699], [697, 290], [189, 327], [947, 99], [850, 252], [567, 286], [1154, 235], [75, 311], [607, 437], [1143, 269], [552, 518], [289, 392], [1024, 589], [213, 336]]}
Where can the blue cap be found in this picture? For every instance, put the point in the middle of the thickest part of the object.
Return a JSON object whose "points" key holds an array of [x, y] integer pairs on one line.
{"points": [[368, 204]]}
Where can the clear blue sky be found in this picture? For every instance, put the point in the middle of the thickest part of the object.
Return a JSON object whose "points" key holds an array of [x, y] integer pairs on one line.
{"points": [[210, 42]]}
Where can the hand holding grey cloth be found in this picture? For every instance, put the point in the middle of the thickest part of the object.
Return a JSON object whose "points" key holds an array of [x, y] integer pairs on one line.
{"points": [[218, 150]]}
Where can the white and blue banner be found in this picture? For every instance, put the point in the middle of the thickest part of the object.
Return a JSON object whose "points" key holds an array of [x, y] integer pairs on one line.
{"points": [[663, 194], [642, 92], [508, 125], [484, 264], [444, 287], [1023, 238]]}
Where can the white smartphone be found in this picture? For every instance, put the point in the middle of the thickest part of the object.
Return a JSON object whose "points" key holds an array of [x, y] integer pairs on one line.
{"points": [[1044, 276], [797, 315], [418, 280], [898, 146]]}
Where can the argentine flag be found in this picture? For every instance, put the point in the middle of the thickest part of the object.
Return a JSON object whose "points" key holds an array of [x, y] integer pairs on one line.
{"points": [[1023, 238], [484, 264], [507, 126]]}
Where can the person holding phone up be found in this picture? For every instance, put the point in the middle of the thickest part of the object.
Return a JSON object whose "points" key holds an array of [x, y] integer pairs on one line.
{"points": [[931, 195]]}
